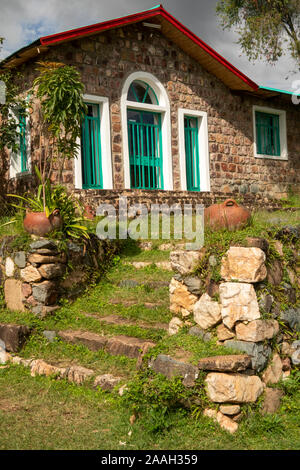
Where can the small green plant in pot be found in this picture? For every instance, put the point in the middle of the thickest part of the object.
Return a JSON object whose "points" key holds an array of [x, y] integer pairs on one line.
{"points": [[52, 210]]}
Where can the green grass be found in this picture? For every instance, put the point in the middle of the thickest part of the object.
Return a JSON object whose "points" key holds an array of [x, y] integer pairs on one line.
{"points": [[41, 413]]}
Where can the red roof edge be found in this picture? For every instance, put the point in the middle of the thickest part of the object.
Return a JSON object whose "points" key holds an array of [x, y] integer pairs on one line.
{"points": [[86, 30]]}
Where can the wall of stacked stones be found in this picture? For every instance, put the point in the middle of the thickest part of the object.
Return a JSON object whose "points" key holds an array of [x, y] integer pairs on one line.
{"points": [[240, 314], [37, 277], [106, 60]]}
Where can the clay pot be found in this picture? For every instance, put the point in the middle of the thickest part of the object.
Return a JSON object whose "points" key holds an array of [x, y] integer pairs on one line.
{"points": [[226, 215], [37, 223]]}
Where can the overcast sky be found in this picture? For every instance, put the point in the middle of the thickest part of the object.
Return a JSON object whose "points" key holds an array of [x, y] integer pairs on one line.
{"points": [[23, 21]]}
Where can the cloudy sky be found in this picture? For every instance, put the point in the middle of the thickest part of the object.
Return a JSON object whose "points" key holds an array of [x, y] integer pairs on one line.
{"points": [[23, 21]]}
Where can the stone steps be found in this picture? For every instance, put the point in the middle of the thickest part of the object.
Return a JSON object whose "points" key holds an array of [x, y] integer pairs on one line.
{"points": [[117, 320], [120, 345], [164, 265]]}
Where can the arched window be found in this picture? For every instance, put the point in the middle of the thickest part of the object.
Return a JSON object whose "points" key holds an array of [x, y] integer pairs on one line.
{"points": [[146, 132]]}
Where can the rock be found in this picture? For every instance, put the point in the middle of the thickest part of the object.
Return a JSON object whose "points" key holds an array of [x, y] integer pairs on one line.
{"points": [[92, 341], [45, 292], [51, 271], [194, 284], [286, 349], [230, 410], [40, 367], [275, 273], [106, 381], [170, 368], [30, 274], [296, 357], [77, 374], [278, 247], [140, 264], [146, 246], [184, 262], [13, 336], [20, 259], [233, 388], [271, 401], [265, 302], [50, 335], [261, 243], [257, 330], [9, 267], [223, 333], [212, 261], [212, 288], [273, 373], [292, 276], [239, 303], [204, 335], [258, 351], [244, 265], [166, 265], [26, 290], [175, 325], [42, 311], [165, 247], [289, 292], [36, 258], [291, 316], [131, 347], [181, 300], [128, 283], [288, 232], [227, 363], [3, 353], [207, 313], [46, 244], [225, 423]]}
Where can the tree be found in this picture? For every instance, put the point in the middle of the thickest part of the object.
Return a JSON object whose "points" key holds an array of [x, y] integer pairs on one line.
{"points": [[265, 27]]}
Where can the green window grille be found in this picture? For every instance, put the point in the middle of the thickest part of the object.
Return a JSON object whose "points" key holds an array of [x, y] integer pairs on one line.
{"points": [[23, 148], [267, 134], [91, 148], [192, 153], [145, 149], [141, 92]]}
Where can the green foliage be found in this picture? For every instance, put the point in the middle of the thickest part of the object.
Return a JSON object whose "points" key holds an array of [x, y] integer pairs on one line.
{"points": [[48, 199], [60, 89], [265, 27]]}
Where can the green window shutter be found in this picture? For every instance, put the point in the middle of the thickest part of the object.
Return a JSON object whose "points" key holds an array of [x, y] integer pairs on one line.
{"points": [[23, 149], [92, 176], [267, 134], [192, 153], [145, 149]]}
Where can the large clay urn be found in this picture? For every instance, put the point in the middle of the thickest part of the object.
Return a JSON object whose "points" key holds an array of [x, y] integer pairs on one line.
{"points": [[37, 223], [227, 215]]}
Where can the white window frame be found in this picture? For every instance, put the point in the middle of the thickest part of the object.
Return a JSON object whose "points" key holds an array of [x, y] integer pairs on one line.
{"points": [[105, 134], [203, 147], [15, 157], [282, 133], [164, 109]]}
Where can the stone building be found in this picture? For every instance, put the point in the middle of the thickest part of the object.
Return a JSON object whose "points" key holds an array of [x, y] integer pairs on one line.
{"points": [[168, 118]]}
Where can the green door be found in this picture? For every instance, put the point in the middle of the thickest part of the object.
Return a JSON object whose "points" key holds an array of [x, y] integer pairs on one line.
{"points": [[91, 148], [145, 149], [192, 153]]}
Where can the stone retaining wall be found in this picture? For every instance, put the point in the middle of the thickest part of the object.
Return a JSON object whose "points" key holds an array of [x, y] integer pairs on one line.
{"points": [[242, 315], [36, 278]]}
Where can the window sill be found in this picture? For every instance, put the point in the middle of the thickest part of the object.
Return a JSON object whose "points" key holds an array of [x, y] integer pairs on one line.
{"points": [[271, 157], [23, 174]]}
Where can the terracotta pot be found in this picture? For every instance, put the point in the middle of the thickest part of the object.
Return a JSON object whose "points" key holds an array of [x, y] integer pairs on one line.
{"points": [[39, 224], [226, 215]]}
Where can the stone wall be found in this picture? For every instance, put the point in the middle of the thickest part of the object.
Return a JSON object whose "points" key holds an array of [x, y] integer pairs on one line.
{"points": [[107, 59], [35, 278], [240, 313]]}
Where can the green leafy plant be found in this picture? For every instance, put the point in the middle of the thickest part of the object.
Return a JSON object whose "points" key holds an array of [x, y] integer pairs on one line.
{"points": [[60, 89], [48, 199]]}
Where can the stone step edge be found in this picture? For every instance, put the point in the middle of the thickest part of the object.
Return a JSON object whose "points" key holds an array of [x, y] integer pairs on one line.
{"points": [[119, 345], [164, 265], [109, 320], [73, 374]]}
